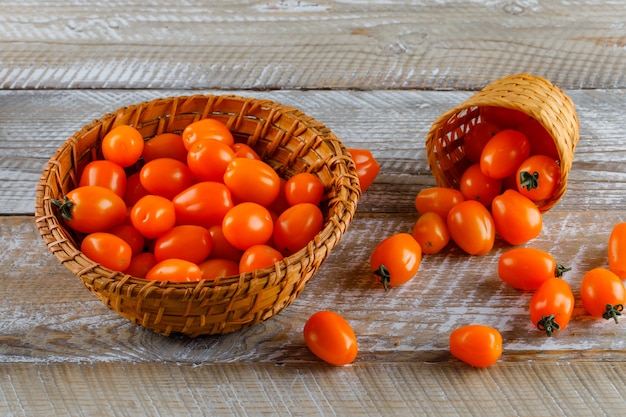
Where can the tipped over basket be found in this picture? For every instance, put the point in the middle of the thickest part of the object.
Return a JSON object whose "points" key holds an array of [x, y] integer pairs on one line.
{"points": [[284, 137], [532, 95]]}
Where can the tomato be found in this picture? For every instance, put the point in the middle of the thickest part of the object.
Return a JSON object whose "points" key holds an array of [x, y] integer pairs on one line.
{"points": [[431, 232], [208, 158], [474, 185], [206, 129], [221, 246], [527, 268], [91, 208], [476, 139], [134, 190], [106, 174], [251, 180], [122, 145], [471, 227], [188, 242], [617, 250], [203, 204], [280, 204], [551, 306], [477, 345], [538, 177], [367, 167], [603, 294], [504, 153], [165, 145], [131, 236], [517, 218], [396, 259], [541, 143], [153, 215], [218, 268], [108, 250], [331, 338], [438, 200], [166, 177], [244, 151], [258, 257], [140, 264], [296, 227], [247, 224], [504, 117], [304, 187], [175, 270]]}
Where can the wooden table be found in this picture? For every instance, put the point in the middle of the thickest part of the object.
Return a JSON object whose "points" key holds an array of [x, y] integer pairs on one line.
{"points": [[378, 74]]}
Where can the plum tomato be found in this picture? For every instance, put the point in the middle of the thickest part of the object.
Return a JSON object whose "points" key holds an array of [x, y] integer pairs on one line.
{"points": [[203, 204], [476, 138], [516, 217], [153, 215], [134, 189], [367, 167], [396, 259], [208, 158], [551, 306], [258, 257], [140, 264], [304, 187], [251, 180], [476, 344], [188, 242], [165, 145], [166, 177], [221, 246], [475, 185], [244, 151], [527, 268], [131, 236], [91, 208], [431, 232], [617, 250], [123, 145], [538, 177], [331, 338], [175, 270], [108, 250], [504, 152], [438, 200], [218, 268], [106, 174], [247, 224], [603, 294], [206, 129], [471, 227], [296, 226]]}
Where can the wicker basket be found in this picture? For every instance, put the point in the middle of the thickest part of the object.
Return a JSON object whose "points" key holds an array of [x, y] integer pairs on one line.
{"points": [[284, 137], [531, 94]]}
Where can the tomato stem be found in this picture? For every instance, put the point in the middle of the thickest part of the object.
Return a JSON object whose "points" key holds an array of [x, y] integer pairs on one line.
{"points": [[548, 324], [613, 311], [560, 270], [528, 180], [385, 276], [65, 207]]}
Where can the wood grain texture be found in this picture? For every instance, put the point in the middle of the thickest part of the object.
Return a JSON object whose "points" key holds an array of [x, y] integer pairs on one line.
{"points": [[427, 44]]}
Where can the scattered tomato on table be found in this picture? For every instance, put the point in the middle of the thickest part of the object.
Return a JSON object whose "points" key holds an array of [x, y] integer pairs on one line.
{"points": [[477, 345], [331, 338]]}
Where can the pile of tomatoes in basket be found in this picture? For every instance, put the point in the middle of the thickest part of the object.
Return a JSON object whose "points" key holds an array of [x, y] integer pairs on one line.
{"points": [[188, 207]]}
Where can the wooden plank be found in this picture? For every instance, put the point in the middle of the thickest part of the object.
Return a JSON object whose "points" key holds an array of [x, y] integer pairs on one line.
{"points": [[392, 44]]}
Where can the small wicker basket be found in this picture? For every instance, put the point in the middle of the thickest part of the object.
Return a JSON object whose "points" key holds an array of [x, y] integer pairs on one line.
{"points": [[531, 94], [284, 137]]}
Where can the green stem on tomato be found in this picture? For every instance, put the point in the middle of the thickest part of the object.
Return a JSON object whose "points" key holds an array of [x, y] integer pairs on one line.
{"points": [[612, 312], [528, 180], [65, 207], [385, 276], [548, 324], [560, 270]]}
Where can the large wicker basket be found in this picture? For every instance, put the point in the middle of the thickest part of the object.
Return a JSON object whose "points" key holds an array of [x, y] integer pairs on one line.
{"points": [[531, 94], [286, 138]]}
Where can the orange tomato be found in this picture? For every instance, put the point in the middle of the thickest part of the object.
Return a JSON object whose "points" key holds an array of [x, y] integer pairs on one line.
{"points": [[603, 294], [203, 204], [122, 145], [438, 200], [304, 187], [396, 259], [504, 153], [551, 306], [247, 224], [471, 227], [538, 177], [165, 145], [617, 250], [153, 215], [296, 226], [476, 345], [218, 268], [140, 264], [106, 174], [475, 185], [175, 270], [251, 180], [165, 177], [108, 250], [527, 268], [517, 219], [367, 167], [331, 338], [208, 158], [258, 257], [431, 232], [206, 129], [187, 242]]}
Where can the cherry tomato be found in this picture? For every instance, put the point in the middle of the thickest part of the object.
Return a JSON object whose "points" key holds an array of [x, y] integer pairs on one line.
{"points": [[475, 185], [106, 174], [538, 177], [247, 224], [165, 145], [140, 264], [438, 200], [251, 180], [131, 236], [153, 215], [471, 227], [331, 338], [175, 270], [517, 218], [476, 139], [551, 306], [431, 232], [91, 208], [617, 250], [603, 294], [187, 242], [304, 187], [207, 129], [296, 227], [367, 167], [218, 268], [134, 190], [258, 257], [504, 153], [244, 151], [203, 204], [527, 268], [280, 204], [208, 158], [504, 117], [108, 250], [166, 177], [396, 259], [222, 249], [122, 145], [477, 345], [541, 143]]}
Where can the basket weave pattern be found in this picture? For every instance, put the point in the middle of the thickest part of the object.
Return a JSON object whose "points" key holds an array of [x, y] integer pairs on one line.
{"points": [[284, 137], [531, 94]]}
